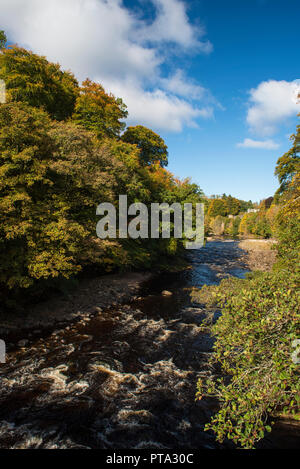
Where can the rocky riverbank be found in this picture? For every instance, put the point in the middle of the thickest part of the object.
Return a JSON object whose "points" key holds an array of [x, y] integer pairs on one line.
{"points": [[84, 302], [261, 254]]}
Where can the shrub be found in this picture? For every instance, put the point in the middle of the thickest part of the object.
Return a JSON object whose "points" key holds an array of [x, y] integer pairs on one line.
{"points": [[254, 336]]}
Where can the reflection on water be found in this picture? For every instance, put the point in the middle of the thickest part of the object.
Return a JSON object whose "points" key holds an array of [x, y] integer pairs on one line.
{"points": [[124, 379]]}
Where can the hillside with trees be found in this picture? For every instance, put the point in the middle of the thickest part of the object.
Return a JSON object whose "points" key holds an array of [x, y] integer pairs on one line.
{"points": [[63, 152], [231, 217]]}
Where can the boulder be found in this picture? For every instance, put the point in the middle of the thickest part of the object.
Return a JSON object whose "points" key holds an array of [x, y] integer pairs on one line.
{"points": [[166, 293]]}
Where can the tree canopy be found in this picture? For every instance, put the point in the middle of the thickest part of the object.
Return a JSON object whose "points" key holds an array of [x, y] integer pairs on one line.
{"points": [[61, 155], [98, 111], [32, 79], [152, 147], [289, 164], [217, 207]]}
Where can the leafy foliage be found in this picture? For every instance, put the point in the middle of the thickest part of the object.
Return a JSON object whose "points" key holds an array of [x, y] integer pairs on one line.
{"points": [[224, 214], [289, 164], [217, 207], [254, 336], [152, 147], [99, 112], [61, 155], [258, 224], [288, 228], [51, 174], [30, 78]]}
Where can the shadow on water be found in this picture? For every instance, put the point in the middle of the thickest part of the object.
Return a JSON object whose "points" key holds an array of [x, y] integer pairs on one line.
{"points": [[126, 378]]}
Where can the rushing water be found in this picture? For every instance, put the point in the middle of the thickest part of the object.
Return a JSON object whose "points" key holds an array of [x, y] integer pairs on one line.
{"points": [[124, 379]]}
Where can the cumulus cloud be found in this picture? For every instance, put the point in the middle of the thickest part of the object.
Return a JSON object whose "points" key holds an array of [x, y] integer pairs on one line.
{"points": [[172, 24], [259, 144], [156, 108], [179, 84], [272, 103], [107, 42]]}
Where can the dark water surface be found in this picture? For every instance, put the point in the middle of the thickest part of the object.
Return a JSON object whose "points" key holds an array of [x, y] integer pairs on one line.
{"points": [[127, 377]]}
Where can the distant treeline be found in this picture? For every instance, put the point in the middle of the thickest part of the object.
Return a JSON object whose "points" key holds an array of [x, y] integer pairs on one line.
{"points": [[229, 216]]}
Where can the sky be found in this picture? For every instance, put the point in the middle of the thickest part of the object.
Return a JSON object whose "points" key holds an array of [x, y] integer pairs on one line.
{"points": [[217, 79]]}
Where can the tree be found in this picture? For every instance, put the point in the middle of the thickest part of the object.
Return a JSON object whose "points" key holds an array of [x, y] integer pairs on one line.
{"points": [[98, 111], [289, 164], [54, 175], [30, 78], [152, 147], [233, 205], [3, 39], [60, 156], [246, 205], [217, 207], [288, 218]]}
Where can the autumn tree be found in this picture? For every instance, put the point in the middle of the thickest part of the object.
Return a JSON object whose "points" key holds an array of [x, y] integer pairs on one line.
{"points": [[53, 176], [25, 149], [288, 219], [152, 147], [233, 205], [32, 79], [288, 165], [99, 111], [246, 205], [60, 156], [217, 207]]}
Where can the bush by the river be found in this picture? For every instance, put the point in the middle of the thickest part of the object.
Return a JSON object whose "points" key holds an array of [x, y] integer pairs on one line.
{"points": [[260, 323]]}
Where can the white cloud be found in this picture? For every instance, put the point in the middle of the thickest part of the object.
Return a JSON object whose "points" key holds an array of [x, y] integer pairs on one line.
{"points": [[172, 24], [84, 35], [179, 84], [271, 104], [157, 108], [259, 144], [104, 40]]}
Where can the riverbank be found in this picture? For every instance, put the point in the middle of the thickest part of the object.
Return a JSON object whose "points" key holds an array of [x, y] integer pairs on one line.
{"points": [[108, 291], [82, 303], [261, 254]]}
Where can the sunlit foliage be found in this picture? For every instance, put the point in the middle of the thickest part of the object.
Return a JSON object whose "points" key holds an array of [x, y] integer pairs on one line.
{"points": [[152, 147], [98, 111], [61, 155], [30, 78]]}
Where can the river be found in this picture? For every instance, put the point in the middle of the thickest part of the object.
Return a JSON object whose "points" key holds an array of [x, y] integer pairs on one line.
{"points": [[127, 377]]}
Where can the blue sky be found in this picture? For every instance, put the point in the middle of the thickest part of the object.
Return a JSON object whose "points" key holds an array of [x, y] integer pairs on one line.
{"points": [[254, 41], [217, 79]]}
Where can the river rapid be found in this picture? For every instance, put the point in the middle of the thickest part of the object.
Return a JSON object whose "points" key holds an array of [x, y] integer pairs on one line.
{"points": [[124, 378]]}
